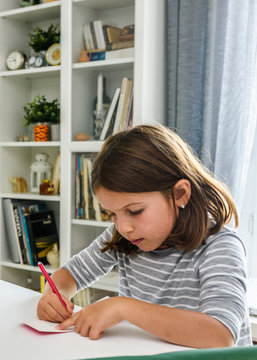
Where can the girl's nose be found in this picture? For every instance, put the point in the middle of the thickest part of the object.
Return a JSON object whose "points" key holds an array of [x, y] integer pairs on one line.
{"points": [[123, 226]]}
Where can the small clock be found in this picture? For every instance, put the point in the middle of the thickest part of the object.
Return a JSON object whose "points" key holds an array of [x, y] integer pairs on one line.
{"points": [[38, 61], [15, 60], [53, 54]]}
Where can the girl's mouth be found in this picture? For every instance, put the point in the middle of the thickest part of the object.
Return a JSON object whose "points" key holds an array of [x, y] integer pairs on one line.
{"points": [[137, 241]]}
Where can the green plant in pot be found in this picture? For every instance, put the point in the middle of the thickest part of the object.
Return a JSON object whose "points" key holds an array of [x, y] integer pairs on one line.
{"points": [[41, 113], [41, 40]]}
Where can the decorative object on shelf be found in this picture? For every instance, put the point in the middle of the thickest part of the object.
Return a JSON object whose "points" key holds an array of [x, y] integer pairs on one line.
{"points": [[19, 184], [101, 106], [15, 60], [40, 170], [46, 188], [55, 132], [41, 39], [82, 137], [41, 131], [36, 60], [83, 56], [53, 54], [22, 137], [53, 256], [41, 113]]}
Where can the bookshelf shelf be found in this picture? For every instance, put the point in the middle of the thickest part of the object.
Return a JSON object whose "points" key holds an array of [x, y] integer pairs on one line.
{"points": [[75, 85], [85, 146], [103, 4], [10, 264], [30, 196], [34, 73], [104, 224], [117, 64], [35, 13], [30, 144]]}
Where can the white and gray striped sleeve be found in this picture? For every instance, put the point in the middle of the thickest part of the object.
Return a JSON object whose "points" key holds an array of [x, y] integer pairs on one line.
{"points": [[223, 282], [90, 263]]}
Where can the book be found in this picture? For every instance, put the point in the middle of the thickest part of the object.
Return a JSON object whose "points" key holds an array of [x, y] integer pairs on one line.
{"points": [[14, 211], [85, 187], [56, 174], [21, 242], [96, 208], [96, 55], [120, 105], [88, 40], [127, 33], [120, 45], [25, 209], [112, 33], [13, 241], [99, 34], [125, 104], [129, 112], [93, 34], [42, 234], [110, 113], [126, 88], [120, 53]]}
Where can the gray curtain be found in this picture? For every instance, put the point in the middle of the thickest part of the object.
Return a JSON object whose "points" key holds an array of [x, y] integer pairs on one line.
{"points": [[212, 87]]}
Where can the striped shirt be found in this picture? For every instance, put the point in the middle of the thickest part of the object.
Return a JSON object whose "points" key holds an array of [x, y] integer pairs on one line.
{"points": [[210, 279]]}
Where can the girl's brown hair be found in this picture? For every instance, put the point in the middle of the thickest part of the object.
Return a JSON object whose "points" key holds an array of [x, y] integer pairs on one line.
{"points": [[153, 158]]}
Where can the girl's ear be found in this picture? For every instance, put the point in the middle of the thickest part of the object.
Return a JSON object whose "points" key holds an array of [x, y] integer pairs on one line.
{"points": [[182, 192]]}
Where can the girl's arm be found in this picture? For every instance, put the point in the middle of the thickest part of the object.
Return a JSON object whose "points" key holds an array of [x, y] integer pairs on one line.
{"points": [[182, 327], [49, 306]]}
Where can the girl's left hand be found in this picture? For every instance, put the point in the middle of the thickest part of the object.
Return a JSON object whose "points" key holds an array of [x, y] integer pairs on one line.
{"points": [[92, 320]]}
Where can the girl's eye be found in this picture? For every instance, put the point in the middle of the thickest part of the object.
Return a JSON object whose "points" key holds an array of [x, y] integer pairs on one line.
{"points": [[136, 212], [105, 215]]}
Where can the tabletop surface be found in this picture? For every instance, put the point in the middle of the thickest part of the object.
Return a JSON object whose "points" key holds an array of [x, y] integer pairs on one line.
{"points": [[17, 341]]}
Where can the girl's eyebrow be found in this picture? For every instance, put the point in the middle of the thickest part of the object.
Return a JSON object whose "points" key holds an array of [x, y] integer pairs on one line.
{"points": [[124, 207]]}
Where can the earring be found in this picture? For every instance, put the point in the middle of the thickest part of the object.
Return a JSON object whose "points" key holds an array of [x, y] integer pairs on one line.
{"points": [[182, 206]]}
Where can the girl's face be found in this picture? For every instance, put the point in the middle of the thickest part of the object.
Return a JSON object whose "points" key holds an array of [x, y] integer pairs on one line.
{"points": [[144, 219]]}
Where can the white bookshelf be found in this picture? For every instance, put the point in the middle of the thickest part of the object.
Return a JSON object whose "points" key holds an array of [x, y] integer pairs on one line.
{"points": [[74, 84]]}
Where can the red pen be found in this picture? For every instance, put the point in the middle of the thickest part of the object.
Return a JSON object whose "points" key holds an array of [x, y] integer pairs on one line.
{"points": [[50, 282]]}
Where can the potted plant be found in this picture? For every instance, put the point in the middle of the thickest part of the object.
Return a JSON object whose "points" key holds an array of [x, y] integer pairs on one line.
{"points": [[41, 113], [41, 40]]}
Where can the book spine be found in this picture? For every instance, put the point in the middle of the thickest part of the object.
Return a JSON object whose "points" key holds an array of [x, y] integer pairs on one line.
{"points": [[20, 235], [42, 283], [92, 30], [120, 105], [110, 113], [120, 45], [11, 231], [97, 213], [125, 104], [24, 235], [87, 43], [31, 240], [29, 253]]}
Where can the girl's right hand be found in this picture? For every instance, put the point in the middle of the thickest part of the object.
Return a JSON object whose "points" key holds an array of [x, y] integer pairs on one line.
{"points": [[50, 308]]}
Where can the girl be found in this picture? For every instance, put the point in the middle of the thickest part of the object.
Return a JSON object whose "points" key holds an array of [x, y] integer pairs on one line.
{"points": [[182, 271]]}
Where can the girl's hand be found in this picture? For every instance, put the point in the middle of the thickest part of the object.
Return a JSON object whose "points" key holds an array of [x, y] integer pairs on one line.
{"points": [[50, 308], [92, 320]]}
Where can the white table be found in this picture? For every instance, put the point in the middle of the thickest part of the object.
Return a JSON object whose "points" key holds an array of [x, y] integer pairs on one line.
{"points": [[18, 342]]}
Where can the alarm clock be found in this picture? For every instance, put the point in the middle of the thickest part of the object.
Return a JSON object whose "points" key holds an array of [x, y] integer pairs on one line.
{"points": [[15, 60]]}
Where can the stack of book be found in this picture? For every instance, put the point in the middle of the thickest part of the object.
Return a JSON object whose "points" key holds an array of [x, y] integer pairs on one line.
{"points": [[31, 230], [105, 42], [120, 113]]}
